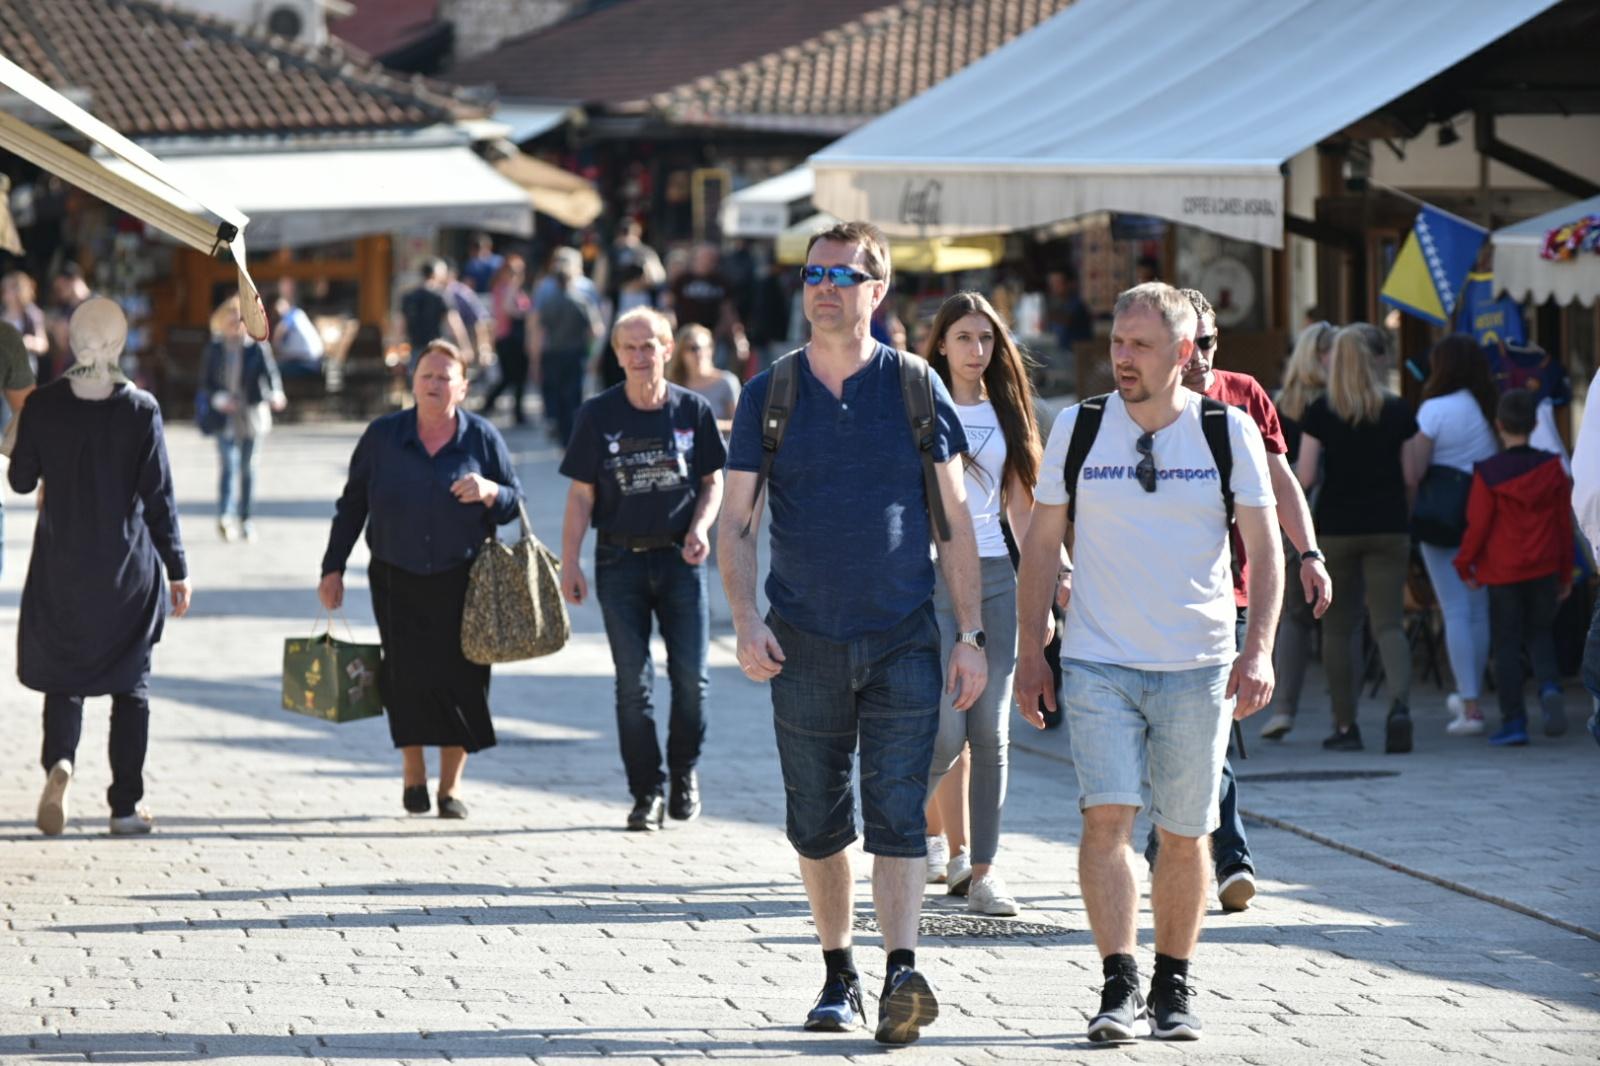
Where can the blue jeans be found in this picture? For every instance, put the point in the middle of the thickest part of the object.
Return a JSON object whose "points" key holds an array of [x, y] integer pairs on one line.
{"points": [[563, 390], [1230, 848], [879, 692], [1591, 655], [238, 456], [631, 586]]}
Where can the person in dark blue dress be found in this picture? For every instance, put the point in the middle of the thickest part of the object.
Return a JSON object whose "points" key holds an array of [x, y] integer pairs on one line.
{"points": [[430, 484], [93, 606]]}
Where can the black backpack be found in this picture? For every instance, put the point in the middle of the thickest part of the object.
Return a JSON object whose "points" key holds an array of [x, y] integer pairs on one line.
{"points": [[916, 386], [1213, 423]]}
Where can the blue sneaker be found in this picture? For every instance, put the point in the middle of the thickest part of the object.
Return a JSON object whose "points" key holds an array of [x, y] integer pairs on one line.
{"points": [[906, 1006], [838, 1006], [1514, 734]]}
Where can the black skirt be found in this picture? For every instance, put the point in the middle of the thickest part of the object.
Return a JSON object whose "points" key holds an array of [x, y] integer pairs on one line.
{"points": [[434, 697]]}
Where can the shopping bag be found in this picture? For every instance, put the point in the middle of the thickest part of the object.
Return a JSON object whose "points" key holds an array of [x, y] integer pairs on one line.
{"points": [[335, 680], [514, 609]]}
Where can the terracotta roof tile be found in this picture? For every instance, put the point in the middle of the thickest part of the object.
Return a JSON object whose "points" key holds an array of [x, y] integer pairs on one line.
{"points": [[841, 78], [152, 70], [623, 53]]}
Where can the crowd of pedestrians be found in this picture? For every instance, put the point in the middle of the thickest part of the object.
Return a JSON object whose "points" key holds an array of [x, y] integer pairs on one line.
{"points": [[1186, 532]]}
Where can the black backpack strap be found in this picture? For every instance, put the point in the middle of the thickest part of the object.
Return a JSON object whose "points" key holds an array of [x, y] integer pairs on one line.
{"points": [[1214, 424], [916, 386], [782, 387], [1084, 431]]}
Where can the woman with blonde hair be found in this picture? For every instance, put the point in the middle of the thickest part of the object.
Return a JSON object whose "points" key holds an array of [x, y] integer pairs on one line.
{"points": [[693, 366], [239, 390], [971, 349], [1353, 439], [1305, 377]]}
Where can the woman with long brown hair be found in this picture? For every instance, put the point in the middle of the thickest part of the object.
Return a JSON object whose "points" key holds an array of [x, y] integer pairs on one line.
{"points": [[1352, 444], [1456, 431], [971, 349]]}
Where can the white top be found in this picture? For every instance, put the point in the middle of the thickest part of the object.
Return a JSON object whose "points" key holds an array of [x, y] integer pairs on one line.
{"points": [[1461, 435], [1586, 471], [1152, 588], [986, 444]]}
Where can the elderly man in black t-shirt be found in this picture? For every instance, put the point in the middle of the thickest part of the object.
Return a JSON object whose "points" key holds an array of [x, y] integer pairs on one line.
{"points": [[646, 467]]}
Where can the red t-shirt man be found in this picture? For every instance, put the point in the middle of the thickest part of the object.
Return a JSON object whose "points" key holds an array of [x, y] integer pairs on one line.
{"points": [[1242, 390]]}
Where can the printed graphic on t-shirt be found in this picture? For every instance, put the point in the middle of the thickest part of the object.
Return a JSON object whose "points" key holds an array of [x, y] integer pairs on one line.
{"points": [[977, 437], [1117, 473], [648, 464]]}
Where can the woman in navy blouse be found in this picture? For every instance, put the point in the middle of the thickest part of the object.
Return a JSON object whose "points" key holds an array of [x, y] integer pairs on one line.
{"points": [[430, 484]]}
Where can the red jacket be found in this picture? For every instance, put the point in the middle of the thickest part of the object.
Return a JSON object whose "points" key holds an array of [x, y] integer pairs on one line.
{"points": [[1519, 520]]}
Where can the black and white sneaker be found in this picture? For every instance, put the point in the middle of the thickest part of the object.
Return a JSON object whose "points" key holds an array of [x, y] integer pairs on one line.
{"points": [[1120, 1007], [1171, 1016]]}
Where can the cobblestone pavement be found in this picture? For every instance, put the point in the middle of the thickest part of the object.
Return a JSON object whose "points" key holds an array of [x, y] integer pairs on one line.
{"points": [[286, 908]]}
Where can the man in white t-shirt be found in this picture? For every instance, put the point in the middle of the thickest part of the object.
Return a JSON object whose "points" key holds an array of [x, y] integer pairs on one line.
{"points": [[1150, 668]]}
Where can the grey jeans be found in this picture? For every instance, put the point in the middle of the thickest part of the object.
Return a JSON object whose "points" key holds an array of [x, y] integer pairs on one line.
{"points": [[986, 725]]}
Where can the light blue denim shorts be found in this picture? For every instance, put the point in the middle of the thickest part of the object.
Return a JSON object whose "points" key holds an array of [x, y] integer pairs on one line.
{"points": [[1169, 727]]}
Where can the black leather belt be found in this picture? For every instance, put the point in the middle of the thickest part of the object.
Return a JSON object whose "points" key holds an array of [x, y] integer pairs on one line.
{"points": [[640, 544]]}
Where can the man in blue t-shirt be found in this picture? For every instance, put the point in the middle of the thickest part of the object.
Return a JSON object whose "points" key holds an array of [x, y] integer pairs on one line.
{"points": [[646, 468], [850, 645]]}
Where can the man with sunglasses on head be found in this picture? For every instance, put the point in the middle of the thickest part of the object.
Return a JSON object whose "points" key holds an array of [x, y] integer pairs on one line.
{"points": [[850, 645], [1152, 676], [1230, 847]]}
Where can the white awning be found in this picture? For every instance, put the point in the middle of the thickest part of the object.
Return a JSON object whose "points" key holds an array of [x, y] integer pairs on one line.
{"points": [[762, 209], [1183, 109], [1522, 272], [524, 122], [298, 198], [142, 186]]}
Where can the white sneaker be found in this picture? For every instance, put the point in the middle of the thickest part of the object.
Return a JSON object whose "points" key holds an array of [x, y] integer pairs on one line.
{"points": [[960, 873], [1277, 726], [136, 824], [938, 859], [1461, 725], [52, 816], [989, 896], [1236, 891]]}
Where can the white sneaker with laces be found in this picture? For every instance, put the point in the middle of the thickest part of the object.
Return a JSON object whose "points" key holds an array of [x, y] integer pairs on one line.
{"points": [[1462, 725], [1237, 890], [136, 824], [989, 896], [52, 816], [960, 875], [938, 859]]}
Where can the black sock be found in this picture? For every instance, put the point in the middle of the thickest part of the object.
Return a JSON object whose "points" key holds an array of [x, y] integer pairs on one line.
{"points": [[840, 963], [1121, 966], [902, 959], [1167, 966]]}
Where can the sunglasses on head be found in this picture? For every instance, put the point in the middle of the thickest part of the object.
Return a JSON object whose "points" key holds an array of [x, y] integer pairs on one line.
{"points": [[842, 276], [1206, 342]]}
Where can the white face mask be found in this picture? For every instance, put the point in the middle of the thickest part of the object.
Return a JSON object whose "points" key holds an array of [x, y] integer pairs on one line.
{"points": [[99, 331]]}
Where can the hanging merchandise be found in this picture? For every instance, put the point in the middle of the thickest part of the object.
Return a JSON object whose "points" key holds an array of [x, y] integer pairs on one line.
{"points": [[1489, 319]]}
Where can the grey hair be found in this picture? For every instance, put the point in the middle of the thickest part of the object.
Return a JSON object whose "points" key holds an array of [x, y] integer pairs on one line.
{"points": [[1176, 312]]}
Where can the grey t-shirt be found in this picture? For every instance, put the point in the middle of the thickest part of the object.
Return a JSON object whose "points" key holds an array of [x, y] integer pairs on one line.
{"points": [[722, 393], [566, 322]]}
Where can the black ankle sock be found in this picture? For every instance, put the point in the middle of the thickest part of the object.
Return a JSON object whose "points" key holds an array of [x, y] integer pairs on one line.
{"points": [[1167, 966], [1120, 966], [902, 959], [840, 962]]}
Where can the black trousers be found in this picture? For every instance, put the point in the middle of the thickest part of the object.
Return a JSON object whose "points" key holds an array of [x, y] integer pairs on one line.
{"points": [[512, 352], [1522, 613], [130, 736]]}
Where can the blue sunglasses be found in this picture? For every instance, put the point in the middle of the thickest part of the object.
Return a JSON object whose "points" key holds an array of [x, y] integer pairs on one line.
{"points": [[842, 276]]}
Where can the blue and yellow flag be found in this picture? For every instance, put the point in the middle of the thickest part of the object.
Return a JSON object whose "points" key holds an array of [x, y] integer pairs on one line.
{"points": [[1432, 267]]}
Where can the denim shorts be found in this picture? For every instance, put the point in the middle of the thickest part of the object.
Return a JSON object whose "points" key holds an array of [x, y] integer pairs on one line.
{"points": [[1168, 725], [879, 693]]}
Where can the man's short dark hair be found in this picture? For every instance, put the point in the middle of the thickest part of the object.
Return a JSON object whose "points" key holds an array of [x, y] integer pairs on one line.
{"points": [[1202, 306], [430, 267], [874, 245], [1517, 412]]}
